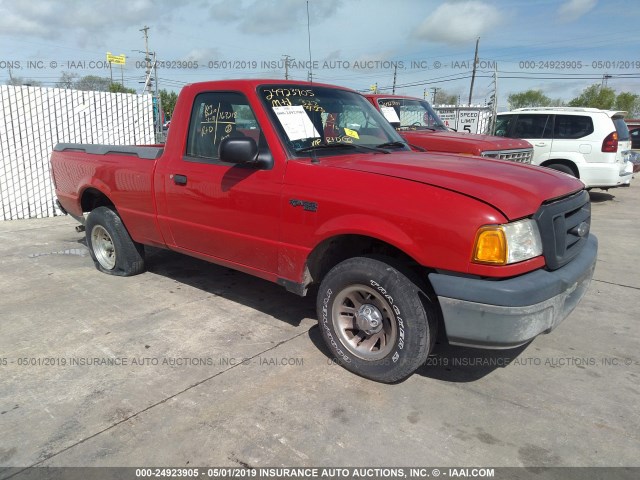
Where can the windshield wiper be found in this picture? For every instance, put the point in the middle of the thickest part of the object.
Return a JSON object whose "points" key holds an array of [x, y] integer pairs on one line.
{"points": [[391, 144], [416, 127], [339, 145], [320, 146]]}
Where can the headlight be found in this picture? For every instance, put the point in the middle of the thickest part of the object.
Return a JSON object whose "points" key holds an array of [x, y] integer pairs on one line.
{"points": [[509, 243]]}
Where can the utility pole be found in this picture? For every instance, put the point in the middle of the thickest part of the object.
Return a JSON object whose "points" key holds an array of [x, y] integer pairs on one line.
{"points": [[286, 66], [309, 38], [157, 95], [605, 77], [473, 75], [494, 102], [433, 99], [145, 30], [147, 83], [395, 71]]}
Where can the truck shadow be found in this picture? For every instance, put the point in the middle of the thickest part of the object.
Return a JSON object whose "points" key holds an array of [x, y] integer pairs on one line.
{"points": [[455, 364], [447, 363], [230, 284], [600, 197]]}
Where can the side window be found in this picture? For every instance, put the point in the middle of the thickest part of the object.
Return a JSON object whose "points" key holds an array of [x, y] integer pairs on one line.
{"points": [[532, 126], [572, 127], [214, 117], [504, 124]]}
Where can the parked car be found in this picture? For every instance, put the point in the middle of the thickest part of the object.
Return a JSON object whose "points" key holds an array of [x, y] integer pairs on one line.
{"points": [[588, 143], [398, 243], [634, 158], [420, 126], [635, 137]]}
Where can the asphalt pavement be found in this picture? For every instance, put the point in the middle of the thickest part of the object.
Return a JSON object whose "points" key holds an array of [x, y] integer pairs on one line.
{"points": [[195, 364]]}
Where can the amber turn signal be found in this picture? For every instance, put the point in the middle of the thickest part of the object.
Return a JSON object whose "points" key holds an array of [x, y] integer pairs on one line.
{"points": [[490, 246]]}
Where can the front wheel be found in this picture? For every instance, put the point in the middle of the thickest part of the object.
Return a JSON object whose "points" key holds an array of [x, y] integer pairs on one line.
{"points": [[111, 248], [375, 320]]}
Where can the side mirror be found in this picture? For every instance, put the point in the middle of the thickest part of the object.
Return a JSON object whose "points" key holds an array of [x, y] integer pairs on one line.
{"points": [[238, 150]]}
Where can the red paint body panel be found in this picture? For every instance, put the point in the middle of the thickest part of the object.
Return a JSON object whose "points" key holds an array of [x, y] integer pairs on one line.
{"points": [[427, 205]]}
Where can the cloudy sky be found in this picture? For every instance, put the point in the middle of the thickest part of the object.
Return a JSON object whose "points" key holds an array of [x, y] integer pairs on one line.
{"points": [[559, 46]]}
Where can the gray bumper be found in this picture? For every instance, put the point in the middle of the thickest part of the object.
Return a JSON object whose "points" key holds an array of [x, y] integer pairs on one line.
{"points": [[507, 313]]}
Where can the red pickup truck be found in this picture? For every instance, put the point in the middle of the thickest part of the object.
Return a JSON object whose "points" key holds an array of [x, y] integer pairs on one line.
{"points": [[307, 184], [421, 127]]}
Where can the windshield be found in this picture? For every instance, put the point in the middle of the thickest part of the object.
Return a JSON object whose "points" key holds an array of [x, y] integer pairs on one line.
{"points": [[622, 129], [410, 114], [315, 120]]}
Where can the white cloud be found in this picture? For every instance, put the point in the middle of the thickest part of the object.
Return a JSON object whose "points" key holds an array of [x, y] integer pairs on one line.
{"points": [[459, 22], [574, 9], [203, 54], [265, 17], [88, 21]]}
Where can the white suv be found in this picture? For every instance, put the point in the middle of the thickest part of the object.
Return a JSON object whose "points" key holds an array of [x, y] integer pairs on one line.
{"points": [[588, 143]]}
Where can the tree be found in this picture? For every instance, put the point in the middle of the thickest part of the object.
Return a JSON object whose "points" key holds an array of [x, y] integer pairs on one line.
{"points": [[445, 98], [92, 83], [595, 96], [168, 100], [21, 81], [530, 98], [628, 102], [117, 87], [67, 80]]}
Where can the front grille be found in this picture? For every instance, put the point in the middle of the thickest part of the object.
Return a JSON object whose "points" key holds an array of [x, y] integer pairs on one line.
{"points": [[519, 156], [564, 228]]}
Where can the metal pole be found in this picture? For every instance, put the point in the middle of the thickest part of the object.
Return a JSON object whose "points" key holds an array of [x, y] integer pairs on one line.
{"points": [[473, 75], [395, 70], [309, 37], [157, 95]]}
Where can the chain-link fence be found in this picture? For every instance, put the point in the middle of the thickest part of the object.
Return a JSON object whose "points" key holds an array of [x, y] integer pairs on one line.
{"points": [[34, 119]]}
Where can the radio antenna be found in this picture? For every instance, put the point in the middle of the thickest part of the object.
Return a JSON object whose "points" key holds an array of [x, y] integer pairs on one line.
{"points": [[309, 37]]}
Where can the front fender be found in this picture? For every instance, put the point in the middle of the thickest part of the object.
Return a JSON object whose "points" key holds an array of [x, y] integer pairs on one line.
{"points": [[366, 225]]}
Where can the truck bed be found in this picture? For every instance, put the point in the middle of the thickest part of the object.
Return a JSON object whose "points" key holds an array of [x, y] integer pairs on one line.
{"points": [[124, 173], [147, 152]]}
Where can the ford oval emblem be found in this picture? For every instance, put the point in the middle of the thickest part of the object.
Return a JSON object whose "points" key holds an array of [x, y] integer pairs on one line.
{"points": [[581, 230]]}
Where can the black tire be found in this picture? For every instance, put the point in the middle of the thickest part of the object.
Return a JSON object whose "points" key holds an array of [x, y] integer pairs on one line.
{"points": [[111, 248], [562, 168], [407, 317]]}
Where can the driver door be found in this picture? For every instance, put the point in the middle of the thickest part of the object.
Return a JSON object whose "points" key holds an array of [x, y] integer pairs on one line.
{"points": [[221, 210]]}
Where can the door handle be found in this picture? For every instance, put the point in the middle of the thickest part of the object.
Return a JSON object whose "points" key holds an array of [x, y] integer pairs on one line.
{"points": [[179, 179], [543, 144]]}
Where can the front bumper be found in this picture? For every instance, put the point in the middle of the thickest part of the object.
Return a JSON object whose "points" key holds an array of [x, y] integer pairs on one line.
{"points": [[507, 313]]}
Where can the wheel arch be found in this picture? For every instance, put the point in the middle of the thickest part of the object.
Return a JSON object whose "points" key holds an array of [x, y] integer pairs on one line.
{"points": [[337, 248], [92, 198], [563, 161]]}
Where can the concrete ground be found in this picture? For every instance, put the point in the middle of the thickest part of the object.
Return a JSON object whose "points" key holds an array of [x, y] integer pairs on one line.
{"points": [[216, 368]]}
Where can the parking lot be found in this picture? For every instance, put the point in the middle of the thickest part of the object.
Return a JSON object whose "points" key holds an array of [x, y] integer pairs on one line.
{"points": [[195, 364]]}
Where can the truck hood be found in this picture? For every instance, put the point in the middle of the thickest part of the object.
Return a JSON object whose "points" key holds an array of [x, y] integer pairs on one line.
{"points": [[514, 189], [456, 142]]}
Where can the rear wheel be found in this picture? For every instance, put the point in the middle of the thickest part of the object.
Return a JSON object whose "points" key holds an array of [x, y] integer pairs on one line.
{"points": [[375, 320], [562, 168], [111, 248]]}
